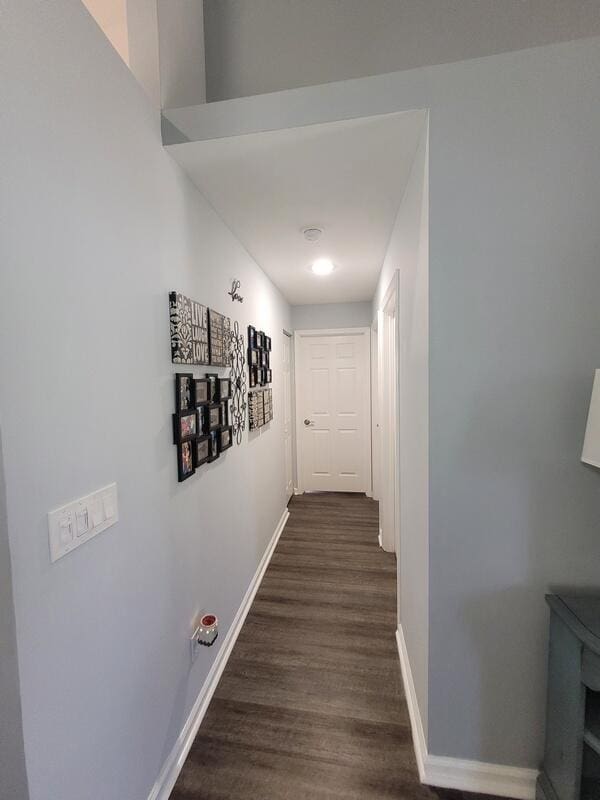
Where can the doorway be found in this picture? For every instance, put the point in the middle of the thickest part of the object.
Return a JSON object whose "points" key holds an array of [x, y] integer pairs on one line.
{"points": [[333, 425]]}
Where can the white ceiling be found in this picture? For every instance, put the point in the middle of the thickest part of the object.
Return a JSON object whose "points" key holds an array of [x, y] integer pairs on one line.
{"points": [[346, 177]]}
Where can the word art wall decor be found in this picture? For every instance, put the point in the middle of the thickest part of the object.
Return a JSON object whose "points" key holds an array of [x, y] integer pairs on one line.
{"points": [[199, 335], [260, 408]]}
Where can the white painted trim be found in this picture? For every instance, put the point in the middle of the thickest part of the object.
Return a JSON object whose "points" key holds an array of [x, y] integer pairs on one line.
{"points": [[359, 331], [458, 773], [172, 767], [416, 724]]}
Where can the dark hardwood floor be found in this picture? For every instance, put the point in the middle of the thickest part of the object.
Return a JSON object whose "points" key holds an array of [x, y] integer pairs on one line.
{"points": [[311, 703]]}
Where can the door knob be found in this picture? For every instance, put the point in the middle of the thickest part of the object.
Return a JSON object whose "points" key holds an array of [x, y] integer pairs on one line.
{"points": [[308, 422]]}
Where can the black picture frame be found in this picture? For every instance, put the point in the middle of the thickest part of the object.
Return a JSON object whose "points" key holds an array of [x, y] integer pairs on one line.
{"points": [[253, 356], [268, 376], [185, 460], [201, 450], [224, 388], [251, 336], [253, 377], [213, 383], [224, 414], [268, 343], [259, 339], [225, 438], [180, 433], [184, 392], [212, 417], [213, 446], [201, 391], [264, 359]]}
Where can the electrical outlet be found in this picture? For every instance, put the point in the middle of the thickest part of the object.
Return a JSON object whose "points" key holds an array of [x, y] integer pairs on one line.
{"points": [[205, 633]]}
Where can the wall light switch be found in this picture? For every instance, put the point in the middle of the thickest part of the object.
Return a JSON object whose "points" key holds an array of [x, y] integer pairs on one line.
{"points": [[82, 519], [79, 521], [97, 515], [65, 530], [109, 509]]}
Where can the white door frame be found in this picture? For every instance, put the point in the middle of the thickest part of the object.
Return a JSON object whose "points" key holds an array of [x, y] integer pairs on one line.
{"points": [[389, 413], [375, 430], [289, 411], [298, 417]]}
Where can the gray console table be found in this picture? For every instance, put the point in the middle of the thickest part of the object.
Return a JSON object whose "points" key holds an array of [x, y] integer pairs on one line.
{"points": [[571, 768]]}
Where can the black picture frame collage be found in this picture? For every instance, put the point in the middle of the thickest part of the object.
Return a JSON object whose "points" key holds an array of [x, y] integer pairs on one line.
{"points": [[201, 422], [202, 427], [259, 358]]}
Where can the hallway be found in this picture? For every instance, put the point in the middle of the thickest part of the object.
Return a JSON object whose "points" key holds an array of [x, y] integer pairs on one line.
{"points": [[311, 703]]}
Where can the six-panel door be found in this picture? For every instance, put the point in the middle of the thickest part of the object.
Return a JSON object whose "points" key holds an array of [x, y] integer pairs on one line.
{"points": [[333, 419]]}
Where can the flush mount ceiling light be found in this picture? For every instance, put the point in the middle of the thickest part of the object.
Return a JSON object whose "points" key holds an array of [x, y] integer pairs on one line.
{"points": [[322, 266], [312, 234]]}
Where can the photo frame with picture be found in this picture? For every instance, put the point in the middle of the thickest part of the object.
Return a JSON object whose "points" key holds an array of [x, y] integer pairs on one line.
{"points": [[201, 391], [212, 417], [184, 392], [185, 426], [201, 450], [185, 460], [213, 386], [225, 438], [259, 358], [213, 446], [224, 388], [224, 415]]}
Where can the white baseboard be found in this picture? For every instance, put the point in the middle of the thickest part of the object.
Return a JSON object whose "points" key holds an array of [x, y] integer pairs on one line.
{"points": [[457, 773], [172, 767], [416, 724]]}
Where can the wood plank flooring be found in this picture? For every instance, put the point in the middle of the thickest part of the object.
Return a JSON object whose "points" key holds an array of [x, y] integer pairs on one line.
{"points": [[311, 704]]}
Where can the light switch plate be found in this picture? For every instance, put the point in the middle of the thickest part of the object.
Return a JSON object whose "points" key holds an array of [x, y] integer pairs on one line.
{"points": [[66, 525]]}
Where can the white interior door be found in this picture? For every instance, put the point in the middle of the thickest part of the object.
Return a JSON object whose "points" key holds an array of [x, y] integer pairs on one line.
{"points": [[287, 413], [333, 410]]}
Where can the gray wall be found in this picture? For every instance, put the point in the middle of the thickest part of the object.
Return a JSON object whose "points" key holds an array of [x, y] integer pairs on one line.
{"points": [[514, 243], [332, 315], [13, 776], [408, 253], [266, 45], [97, 225]]}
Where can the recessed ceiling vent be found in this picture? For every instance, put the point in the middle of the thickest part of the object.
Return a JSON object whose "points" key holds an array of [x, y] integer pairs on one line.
{"points": [[312, 234]]}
